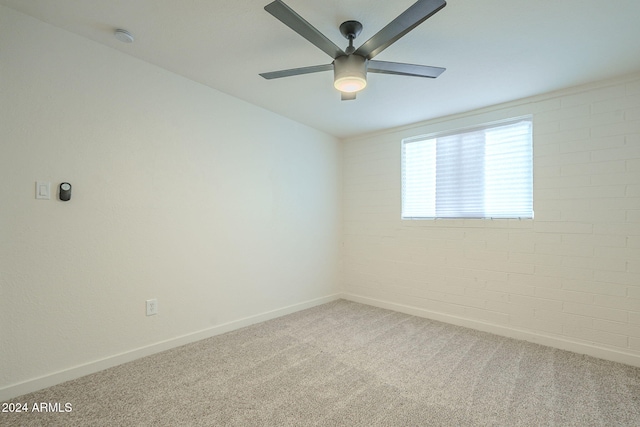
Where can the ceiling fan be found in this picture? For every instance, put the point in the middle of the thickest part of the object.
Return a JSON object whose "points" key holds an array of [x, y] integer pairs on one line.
{"points": [[350, 66]]}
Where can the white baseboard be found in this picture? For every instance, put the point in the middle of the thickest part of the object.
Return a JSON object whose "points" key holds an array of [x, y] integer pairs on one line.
{"points": [[49, 380], [543, 339]]}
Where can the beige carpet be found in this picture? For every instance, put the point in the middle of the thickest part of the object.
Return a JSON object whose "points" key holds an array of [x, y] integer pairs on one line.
{"points": [[348, 364]]}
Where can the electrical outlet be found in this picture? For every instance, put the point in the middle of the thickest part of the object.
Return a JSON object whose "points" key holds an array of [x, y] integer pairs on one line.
{"points": [[152, 307]]}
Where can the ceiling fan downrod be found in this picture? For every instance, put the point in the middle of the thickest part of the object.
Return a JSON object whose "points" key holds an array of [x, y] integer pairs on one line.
{"points": [[350, 30]]}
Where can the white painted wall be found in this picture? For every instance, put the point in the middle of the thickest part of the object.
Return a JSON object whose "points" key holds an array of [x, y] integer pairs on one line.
{"points": [[569, 278], [224, 212]]}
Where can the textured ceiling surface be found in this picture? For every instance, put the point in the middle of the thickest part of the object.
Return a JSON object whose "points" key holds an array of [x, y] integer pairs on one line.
{"points": [[494, 51]]}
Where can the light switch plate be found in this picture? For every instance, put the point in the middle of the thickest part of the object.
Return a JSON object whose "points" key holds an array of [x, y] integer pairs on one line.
{"points": [[43, 190]]}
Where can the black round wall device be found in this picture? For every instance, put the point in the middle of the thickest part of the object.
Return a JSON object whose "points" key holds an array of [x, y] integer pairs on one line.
{"points": [[65, 191]]}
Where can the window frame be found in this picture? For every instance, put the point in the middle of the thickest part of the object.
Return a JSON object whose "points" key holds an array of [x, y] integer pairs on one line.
{"points": [[460, 131]]}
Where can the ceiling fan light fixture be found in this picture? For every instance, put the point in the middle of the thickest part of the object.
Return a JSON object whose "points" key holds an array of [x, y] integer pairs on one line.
{"points": [[350, 73], [350, 84]]}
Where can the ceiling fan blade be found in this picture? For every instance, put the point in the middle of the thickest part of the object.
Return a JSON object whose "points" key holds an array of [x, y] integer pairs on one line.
{"points": [[296, 71], [347, 96], [384, 67], [405, 22], [297, 23]]}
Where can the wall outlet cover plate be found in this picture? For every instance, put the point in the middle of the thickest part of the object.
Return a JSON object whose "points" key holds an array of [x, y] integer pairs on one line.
{"points": [[152, 307]]}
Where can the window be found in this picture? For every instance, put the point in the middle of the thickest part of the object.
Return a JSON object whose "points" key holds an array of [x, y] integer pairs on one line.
{"points": [[484, 172]]}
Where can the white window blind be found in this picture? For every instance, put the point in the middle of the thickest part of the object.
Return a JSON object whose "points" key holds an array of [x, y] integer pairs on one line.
{"points": [[485, 172]]}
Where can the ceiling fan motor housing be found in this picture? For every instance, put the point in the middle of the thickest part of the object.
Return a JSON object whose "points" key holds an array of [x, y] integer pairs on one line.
{"points": [[350, 73]]}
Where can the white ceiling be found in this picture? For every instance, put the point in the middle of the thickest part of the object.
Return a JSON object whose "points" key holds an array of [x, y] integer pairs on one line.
{"points": [[494, 51]]}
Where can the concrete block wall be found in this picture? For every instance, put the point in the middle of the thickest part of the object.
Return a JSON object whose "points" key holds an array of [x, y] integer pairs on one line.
{"points": [[568, 278]]}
